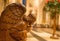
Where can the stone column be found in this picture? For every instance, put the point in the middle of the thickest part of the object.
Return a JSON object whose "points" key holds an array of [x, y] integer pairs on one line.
{"points": [[1, 6], [59, 22], [40, 11], [59, 19], [29, 6], [36, 6], [48, 18], [44, 17]]}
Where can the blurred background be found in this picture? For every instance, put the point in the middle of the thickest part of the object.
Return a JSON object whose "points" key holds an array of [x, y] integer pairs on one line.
{"points": [[43, 18]]}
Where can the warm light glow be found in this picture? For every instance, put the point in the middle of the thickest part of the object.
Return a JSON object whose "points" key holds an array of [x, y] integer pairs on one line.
{"points": [[12, 1], [36, 2]]}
